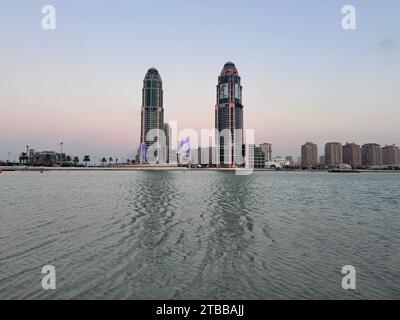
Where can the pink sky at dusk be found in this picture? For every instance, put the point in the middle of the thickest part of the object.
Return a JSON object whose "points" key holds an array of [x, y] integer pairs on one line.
{"points": [[81, 84]]}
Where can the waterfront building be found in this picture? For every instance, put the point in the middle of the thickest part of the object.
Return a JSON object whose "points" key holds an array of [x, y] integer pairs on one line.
{"points": [[322, 160], [352, 155], [202, 156], [196, 156], [185, 152], [267, 149], [371, 155], [289, 160], [259, 158], [250, 156], [281, 161], [31, 154], [333, 154], [391, 155], [152, 114], [167, 132], [309, 155], [229, 116], [207, 156], [277, 163], [46, 158]]}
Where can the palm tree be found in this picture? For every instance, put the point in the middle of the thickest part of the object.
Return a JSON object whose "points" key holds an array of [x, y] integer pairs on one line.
{"points": [[86, 159], [109, 161], [23, 157], [116, 161], [68, 160], [103, 161], [76, 161]]}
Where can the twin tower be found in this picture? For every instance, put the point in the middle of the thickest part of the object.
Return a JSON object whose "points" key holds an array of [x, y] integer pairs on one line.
{"points": [[228, 114]]}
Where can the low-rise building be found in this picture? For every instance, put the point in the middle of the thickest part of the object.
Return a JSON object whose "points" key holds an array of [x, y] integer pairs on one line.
{"points": [[289, 159], [46, 158]]}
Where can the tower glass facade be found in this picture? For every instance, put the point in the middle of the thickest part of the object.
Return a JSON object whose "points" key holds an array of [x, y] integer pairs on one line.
{"points": [[152, 112], [229, 115]]}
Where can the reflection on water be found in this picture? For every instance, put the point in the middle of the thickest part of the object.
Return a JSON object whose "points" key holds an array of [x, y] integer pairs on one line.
{"points": [[199, 235]]}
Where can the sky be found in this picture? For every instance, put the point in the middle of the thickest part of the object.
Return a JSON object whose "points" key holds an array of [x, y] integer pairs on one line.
{"points": [[304, 77]]}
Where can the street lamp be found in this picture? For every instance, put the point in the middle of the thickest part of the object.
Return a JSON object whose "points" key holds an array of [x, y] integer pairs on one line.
{"points": [[61, 154]]}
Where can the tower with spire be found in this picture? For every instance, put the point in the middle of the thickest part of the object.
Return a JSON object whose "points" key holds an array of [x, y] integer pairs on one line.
{"points": [[229, 115], [152, 112]]}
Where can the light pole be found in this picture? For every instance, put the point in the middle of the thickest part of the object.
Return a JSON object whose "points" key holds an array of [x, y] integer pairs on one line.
{"points": [[61, 154], [27, 154]]}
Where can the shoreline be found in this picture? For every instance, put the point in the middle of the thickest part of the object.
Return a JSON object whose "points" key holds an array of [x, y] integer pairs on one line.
{"points": [[174, 168], [118, 168]]}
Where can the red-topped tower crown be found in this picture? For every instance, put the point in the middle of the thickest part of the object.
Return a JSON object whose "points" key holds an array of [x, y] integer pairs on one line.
{"points": [[229, 68]]}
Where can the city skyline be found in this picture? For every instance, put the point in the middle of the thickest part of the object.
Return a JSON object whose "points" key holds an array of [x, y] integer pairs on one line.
{"points": [[74, 86]]}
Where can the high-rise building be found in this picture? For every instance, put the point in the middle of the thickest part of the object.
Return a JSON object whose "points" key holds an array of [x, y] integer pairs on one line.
{"points": [[267, 149], [309, 155], [352, 155], [391, 155], [371, 155], [152, 113], [229, 116], [333, 154]]}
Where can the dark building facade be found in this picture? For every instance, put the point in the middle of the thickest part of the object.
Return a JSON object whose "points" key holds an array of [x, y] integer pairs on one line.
{"points": [[259, 158], [352, 155], [46, 158], [309, 155], [229, 116], [371, 155], [333, 154], [152, 113], [391, 155]]}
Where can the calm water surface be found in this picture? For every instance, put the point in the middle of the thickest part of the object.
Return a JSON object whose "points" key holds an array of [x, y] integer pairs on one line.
{"points": [[199, 235]]}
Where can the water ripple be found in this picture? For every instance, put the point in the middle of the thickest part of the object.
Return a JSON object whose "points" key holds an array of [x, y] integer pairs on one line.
{"points": [[202, 235]]}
